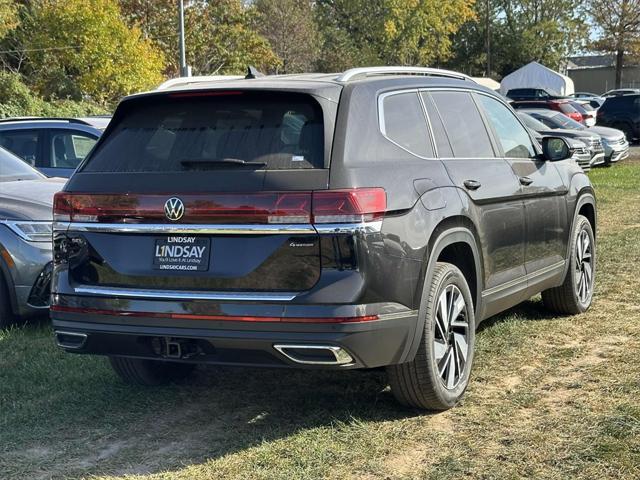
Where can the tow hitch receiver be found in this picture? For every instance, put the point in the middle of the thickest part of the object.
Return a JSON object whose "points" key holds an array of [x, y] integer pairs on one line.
{"points": [[175, 348]]}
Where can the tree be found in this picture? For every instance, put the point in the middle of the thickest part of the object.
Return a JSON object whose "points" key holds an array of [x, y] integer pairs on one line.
{"points": [[221, 35], [407, 32], [289, 27], [158, 22], [8, 16], [519, 31], [618, 22], [82, 48]]}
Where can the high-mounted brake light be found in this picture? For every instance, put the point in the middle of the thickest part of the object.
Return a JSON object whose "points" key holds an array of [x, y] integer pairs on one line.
{"points": [[219, 93], [323, 206]]}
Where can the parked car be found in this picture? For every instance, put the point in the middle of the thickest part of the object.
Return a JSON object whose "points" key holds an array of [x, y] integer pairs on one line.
{"points": [[26, 201], [581, 153], [614, 143], [593, 102], [55, 146], [583, 95], [622, 113], [563, 106], [621, 91], [279, 229], [588, 115], [531, 94]]}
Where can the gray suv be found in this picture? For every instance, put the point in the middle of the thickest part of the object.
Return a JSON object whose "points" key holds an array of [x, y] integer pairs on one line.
{"points": [[366, 219], [26, 200], [55, 146]]}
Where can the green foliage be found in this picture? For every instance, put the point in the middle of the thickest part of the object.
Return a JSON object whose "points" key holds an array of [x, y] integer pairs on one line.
{"points": [[221, 35], [8, 16], [520, 31], [17, 100], [289, 27], [406, 32], [82, 48]]}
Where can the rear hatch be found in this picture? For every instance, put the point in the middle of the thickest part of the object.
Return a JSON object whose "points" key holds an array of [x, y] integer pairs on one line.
{"points": [[202, 191]]}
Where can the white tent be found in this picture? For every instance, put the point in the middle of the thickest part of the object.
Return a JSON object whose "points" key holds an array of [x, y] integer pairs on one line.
{"points": [[535, 75], [487, 82]]}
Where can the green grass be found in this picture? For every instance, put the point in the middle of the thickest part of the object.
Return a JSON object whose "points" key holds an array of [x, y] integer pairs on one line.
{"points": [[550, 398]]}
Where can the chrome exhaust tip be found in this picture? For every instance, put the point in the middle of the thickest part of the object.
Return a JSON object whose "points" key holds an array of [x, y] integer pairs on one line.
{"points": [[315, 354], [70, 340]]}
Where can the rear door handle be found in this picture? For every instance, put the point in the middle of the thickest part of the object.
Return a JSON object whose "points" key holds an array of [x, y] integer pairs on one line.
{"points": [[526, 181], [472, 184]]}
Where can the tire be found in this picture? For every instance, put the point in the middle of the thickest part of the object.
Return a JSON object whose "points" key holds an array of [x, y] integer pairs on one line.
{"points": [[136, 371], [421, 383], [7, 318], [573, 296]]}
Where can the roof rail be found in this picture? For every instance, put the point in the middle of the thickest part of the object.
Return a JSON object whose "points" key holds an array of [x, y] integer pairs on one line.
{"points": [[185, 81], [44, 119], [370, 71]]}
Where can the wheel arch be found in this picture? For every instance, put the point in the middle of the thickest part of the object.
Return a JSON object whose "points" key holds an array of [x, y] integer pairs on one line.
{"points": [[454, 240]]}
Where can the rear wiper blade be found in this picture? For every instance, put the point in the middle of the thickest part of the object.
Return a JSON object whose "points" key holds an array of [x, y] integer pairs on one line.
{"points": [[219, 162]]}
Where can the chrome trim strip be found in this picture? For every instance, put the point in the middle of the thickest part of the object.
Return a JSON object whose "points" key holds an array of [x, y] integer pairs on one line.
{"points": [[154, 228], [267, 229], [340, 355], [348, 228], [186, 295]]}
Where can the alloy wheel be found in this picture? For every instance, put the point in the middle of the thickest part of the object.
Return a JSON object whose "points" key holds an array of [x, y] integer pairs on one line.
{"points": [[451, 346], [584, 267]]}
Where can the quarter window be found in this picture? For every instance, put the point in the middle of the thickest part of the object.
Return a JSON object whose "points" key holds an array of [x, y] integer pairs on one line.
{"points": [[465, 128], [404, 123], [513, 137]]}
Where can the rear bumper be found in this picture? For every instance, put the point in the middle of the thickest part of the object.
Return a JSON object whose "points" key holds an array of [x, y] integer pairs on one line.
{"points": [[371, 343]]}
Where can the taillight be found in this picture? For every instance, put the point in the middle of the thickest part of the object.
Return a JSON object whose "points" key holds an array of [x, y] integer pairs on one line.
{"points": [[349, 206], [325, 206]]}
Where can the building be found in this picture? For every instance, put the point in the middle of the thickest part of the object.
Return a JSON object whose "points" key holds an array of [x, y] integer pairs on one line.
{"points": [[597, 73]]}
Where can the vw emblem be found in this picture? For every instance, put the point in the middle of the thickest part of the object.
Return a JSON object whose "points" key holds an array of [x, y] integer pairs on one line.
{"points": [[174, 208]]}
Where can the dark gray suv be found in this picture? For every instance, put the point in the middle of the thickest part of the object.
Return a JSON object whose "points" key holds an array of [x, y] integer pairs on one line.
{"points": [[357, 220]]}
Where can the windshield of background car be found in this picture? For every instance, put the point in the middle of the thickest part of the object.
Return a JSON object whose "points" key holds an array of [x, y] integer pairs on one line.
{"points": [[560, 120], [200, 130], [12, 168], [532, 123]]}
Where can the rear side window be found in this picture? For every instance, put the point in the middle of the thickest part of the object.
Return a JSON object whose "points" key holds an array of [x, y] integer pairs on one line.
{"points": [[69, 148], [465, 128], [23, 143], [513, 137], [181, 131], [404, 123], [439, 133]]}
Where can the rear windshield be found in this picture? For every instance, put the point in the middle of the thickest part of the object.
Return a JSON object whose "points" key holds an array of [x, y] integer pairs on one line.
{"points": [[212, 130]]}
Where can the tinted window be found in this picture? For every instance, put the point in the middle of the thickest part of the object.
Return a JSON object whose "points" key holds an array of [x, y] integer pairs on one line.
{"points": [[439, 133], [175, 133], [13, 168], [533, 123], [23, 143], [512, 135], [69, 148], [404, 123], [467, 133]]}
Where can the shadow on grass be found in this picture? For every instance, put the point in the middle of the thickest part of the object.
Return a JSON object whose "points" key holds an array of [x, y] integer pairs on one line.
{"points": [[530, 310], [76, 405]]}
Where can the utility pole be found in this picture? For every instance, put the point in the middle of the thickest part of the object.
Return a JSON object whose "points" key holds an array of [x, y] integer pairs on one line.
{"points": [[184, 69], [488, 31]]}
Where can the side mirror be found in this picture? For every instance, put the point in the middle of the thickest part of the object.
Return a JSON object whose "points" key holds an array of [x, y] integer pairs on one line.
{"points": [[556, 149]]}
